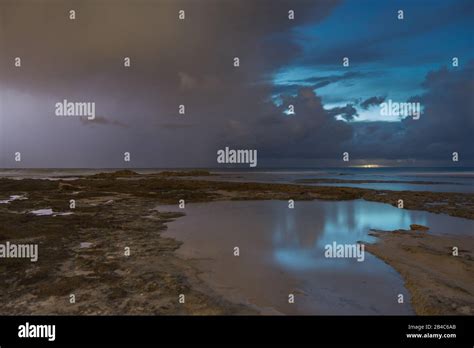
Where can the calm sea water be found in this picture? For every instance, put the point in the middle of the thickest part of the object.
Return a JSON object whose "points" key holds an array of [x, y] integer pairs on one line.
{"points": [[452, 179], [282, 252]]}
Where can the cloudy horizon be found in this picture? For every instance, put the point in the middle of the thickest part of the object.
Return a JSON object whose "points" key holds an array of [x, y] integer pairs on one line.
{"points": [[426, 58]]}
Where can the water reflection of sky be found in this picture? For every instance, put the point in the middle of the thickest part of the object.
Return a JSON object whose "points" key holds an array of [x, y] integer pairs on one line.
{"points": [[282, 249], [405, 187], [300, 235]]}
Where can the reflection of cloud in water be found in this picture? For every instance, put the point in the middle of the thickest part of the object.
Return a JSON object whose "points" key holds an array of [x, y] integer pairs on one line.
{"points": [[303, 260], [282, 249], [299, 242]]}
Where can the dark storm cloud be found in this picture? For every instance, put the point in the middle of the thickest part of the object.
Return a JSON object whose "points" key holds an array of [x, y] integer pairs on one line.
{"points": [[446, 124], [287, 89], [173, 62], [190, 62], [315, 82], [372, 101], [101, 120], [320, 82], [310, 133], [347, 112], [332, 78], [174, 126]]}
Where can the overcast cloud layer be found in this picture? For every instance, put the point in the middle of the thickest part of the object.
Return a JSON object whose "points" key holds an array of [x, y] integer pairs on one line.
{"points": [[190, 62]]}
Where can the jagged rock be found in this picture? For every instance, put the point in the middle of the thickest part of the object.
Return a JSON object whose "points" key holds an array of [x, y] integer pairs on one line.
{"points": [[416, 227]]}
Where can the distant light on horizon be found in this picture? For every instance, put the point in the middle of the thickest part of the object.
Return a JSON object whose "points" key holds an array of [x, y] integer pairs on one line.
{"points": [[372, 165]]}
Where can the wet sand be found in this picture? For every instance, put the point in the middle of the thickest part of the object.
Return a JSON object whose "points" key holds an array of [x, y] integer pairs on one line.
{"points": [[116, 210]]}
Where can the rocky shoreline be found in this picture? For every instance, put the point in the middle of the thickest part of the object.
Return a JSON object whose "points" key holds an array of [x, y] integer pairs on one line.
{"points": [[83, 253], [439, 277]]}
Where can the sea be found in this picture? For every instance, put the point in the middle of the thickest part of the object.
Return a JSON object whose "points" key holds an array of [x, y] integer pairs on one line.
{"points": [[435, 179]]}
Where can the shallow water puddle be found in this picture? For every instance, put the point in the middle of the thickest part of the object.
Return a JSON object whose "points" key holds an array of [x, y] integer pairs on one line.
{"points": [[48, 212], [282, 253], [13, 198]]}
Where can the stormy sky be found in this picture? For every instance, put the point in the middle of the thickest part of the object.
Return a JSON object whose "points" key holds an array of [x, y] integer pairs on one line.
{"points": [[190, 62]]}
